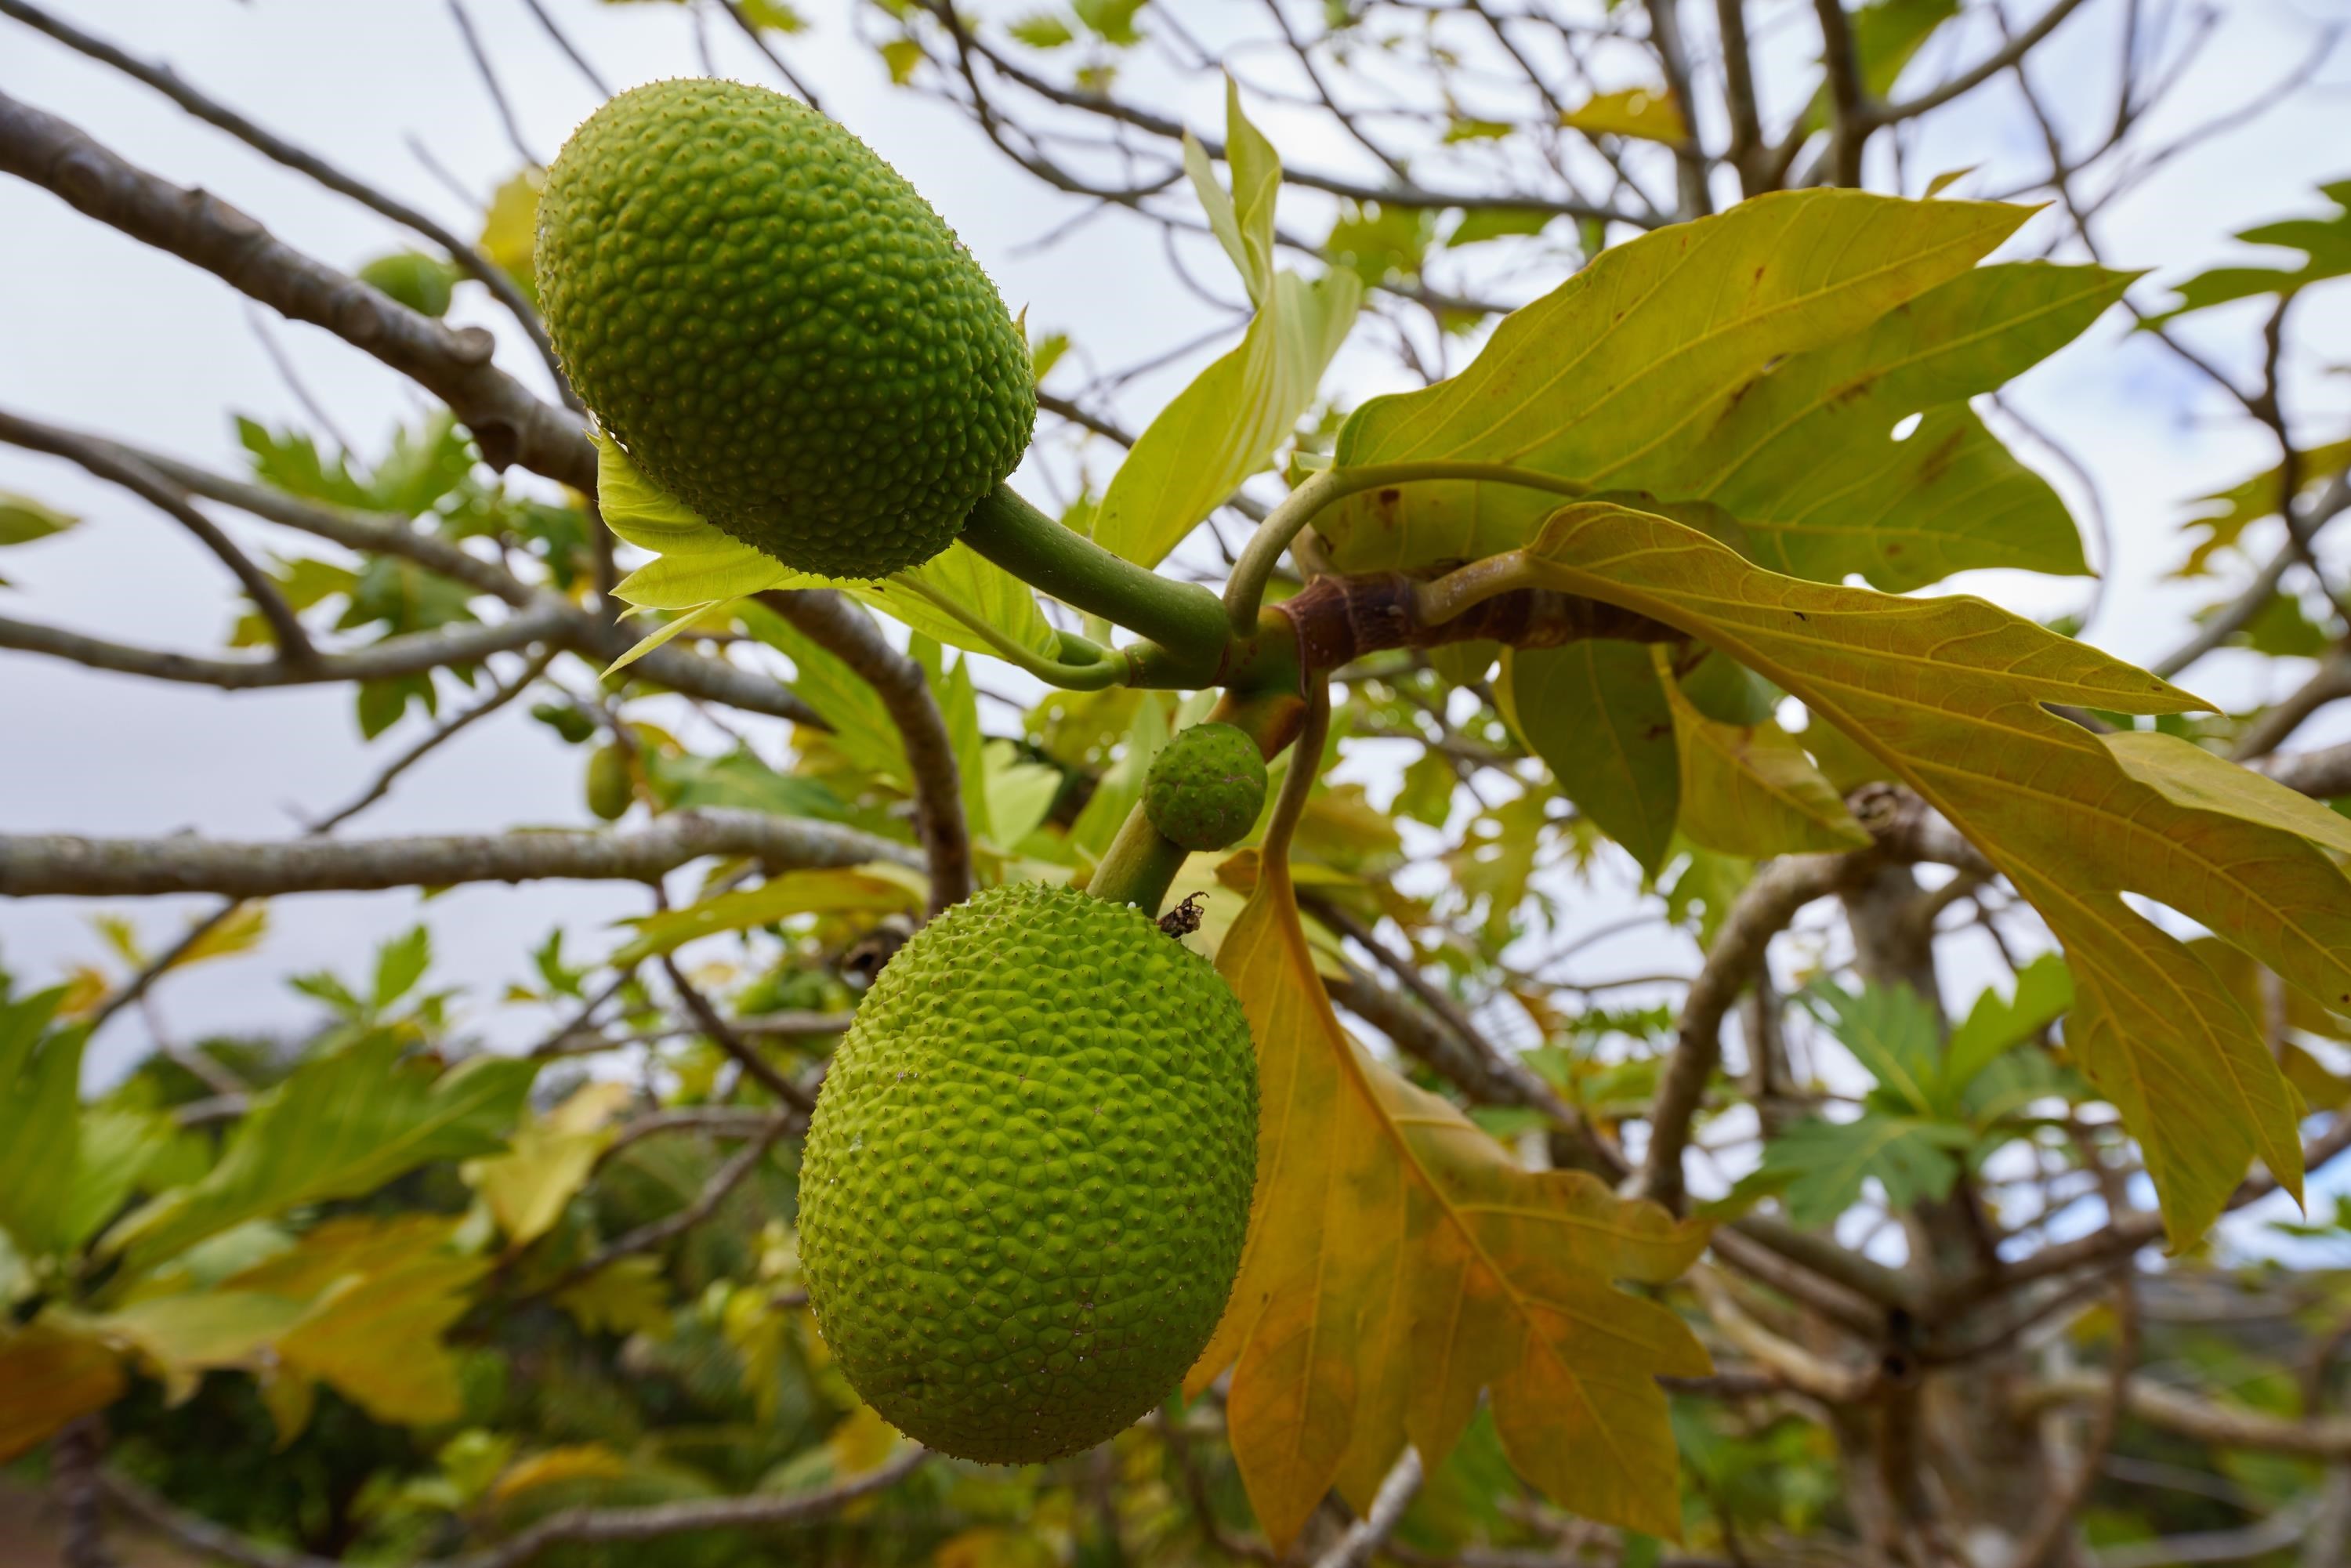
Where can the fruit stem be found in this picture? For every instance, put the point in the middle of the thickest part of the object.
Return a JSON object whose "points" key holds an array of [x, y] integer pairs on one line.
{"points": [[1244, 589], [1185, 619]]}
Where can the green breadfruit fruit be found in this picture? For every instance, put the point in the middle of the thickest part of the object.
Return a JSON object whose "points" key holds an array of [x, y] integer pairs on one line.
{"points": [[1028, 1178], [778, 328], [416, 280], [610, 787], [1206, 788]]}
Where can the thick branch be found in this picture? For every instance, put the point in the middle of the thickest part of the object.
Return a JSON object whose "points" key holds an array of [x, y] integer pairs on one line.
{"points": [[166, 80], [394, 656], [847, 632], [1762, 911], [1849, 121], [2173, 1410], [38, 865], [509, 423]]}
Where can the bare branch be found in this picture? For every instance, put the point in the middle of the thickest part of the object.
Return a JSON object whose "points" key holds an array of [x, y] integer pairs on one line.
{"points": [[1747, 143], [716, 1191], [510, 424], [724, 1035], [846, 632], [490, 76], [39, 866], [442, 734], [1363, 1538], [1967, 81], [1673, 57], [751, 1512], [734, 9], [1848, 117], [163, 79], [546, 23], [285, 628], [1762, 911], [406, 655], [1832, 1381], [2192, 1416]]}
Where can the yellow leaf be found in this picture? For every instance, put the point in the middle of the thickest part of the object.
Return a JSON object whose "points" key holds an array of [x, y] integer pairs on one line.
{"points": [[239, 931], [548, 1160], [1647, 112], [1948, 692], [382, 1291], [182, 1337], [626, 1296], [510, 226], [860, 1443], [1749, 789], [576, 1461], [1399, 1261], [86, 987], [52, 1374]]}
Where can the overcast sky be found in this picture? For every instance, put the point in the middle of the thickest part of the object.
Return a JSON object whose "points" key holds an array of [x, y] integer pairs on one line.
{"points": [[100, 332]]}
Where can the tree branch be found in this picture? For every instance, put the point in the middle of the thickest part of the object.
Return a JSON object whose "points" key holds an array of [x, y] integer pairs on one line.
{"points": [[1967, 81], [166, 80], [1363, 1538], [751, 1512], [2192, 1416], [45, 865], [715, 1191], [394, 656], [846, 632], [1762, 912], [510, 424], [1848, 117]]}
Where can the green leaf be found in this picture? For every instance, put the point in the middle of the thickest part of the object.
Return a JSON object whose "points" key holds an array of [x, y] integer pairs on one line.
{"points": [[1996, 1025], [1122, 782], [1749, 789], [1824, 1163], [1497, 223], [1226, 425], [399, 965], [1891, 1032], [118, 1148], [1019, 794], [1040, 30], [342, 1125], [1806, 455], [2226, 514], [1596, 713], [1113, 21], [1949, 693], [1637, 353], [741, 779], [900, 57], [959, 706], [861, 724], [1886, 35], [23, 519], [872, 890], [1647, 112], [40, 1122], [2325, 245]]}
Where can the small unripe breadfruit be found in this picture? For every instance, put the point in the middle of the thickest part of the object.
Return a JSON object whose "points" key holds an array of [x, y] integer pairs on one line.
{"points": [[413, 278], [1028, 1178], [776, 328], [1205, 788], [610, 788]]}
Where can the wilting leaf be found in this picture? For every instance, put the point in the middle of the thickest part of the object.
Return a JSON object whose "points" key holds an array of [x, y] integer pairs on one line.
{"points": [[1225, 427], [52, 1374], [1948, 692], [1596, 713], [1399, 1261], [1639, 353], [343, 1124]]}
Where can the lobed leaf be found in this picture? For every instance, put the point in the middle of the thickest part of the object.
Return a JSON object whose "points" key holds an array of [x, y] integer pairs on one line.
{"points": [[1949, 693], [1399, 1262]]}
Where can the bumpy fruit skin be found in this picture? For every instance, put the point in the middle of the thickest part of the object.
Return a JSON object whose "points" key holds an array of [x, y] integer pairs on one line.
{"points": [[1027, 1179], [1205, 791], [778, 328]]}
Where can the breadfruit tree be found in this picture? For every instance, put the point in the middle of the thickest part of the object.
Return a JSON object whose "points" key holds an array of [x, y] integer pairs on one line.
{"points": [[1116, 1091]]}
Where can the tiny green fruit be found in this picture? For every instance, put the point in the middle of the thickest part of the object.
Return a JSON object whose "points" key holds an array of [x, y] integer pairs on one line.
{"points": [[776, 328], [420, 282], [610, 788], [1027, 1179], [1205, 788]]}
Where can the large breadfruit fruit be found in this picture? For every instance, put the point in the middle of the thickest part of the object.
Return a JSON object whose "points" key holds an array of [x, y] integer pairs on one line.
{"points": [[1028, 1176], [1206, 788], [776, 328]]}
